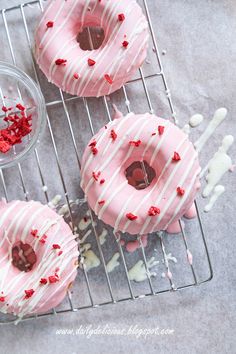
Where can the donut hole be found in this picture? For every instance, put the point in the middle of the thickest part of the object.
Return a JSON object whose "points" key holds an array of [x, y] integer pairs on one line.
{"points": [[140, 174], [91, 38], [23, 257]]}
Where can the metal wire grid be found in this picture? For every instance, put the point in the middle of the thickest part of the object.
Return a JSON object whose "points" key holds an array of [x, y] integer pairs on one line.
{"points": [[64, 101]]}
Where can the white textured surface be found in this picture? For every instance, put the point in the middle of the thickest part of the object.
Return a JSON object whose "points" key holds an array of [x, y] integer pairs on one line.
{"points": [[200, 62]]}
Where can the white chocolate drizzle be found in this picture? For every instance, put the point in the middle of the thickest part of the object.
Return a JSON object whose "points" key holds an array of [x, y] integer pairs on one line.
{"points": [[55, 201], [138, 272], [64, 210], [84, 223], [186, 129], [117, 114], [102, 236], [85, 236], [189, 257], [171, 258], [217, 119], [218, 165], [90, 259], [113, 262], [218, 190]]}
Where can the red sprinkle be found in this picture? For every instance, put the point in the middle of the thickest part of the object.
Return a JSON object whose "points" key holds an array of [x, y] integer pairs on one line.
{"points": [[93, 143], [60, 253], [101, 202], [18, 127], [50, 24], [43, 281], [4, 109], [34, 233], [91, 62], [29, 293], [125, 44], [176, 157], [20, 107], [153, 211], [135, 143], [53, 279], [61, 62], [43, 239], [161, 129], [121, 17], [76, 76], [180, 191], [113, 135], [96, 175], [108, 78], [131, 216], [154, 134], [2, 298], [4, 146], [94, 150], [102, 181], [56, 246]]}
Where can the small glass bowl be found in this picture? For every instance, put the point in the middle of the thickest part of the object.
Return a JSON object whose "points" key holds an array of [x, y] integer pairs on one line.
{"points": [[17, 87]]}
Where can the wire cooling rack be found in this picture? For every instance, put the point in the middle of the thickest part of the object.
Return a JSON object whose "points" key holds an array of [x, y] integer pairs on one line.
{"points": [[78, 119]]}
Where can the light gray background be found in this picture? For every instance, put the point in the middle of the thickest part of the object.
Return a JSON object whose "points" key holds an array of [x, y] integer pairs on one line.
{"points": [[199, 37]]}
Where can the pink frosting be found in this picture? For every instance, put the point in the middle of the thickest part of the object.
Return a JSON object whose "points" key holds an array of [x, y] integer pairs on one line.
{"points": [[110, 195], [132, 246], [112, 58], [17, 221], [174, 227], [191, 213]]}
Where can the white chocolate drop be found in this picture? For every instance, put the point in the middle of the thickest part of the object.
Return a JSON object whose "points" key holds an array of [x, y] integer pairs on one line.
{"points": [[196, 120]]}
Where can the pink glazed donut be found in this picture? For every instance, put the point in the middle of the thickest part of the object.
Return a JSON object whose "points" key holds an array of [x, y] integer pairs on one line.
{"points": [[38, 258], [114, 183], [96, 72]]}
